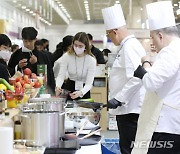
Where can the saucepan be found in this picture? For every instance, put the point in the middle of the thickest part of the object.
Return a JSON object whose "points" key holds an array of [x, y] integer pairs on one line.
{"points": [[95, 106]]}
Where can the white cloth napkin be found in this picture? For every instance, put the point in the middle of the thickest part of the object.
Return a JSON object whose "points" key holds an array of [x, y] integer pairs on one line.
{"points": [[147, 122]]}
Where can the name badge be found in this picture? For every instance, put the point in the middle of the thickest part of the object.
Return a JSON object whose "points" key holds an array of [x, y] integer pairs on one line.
{"points": [[78, 85]]}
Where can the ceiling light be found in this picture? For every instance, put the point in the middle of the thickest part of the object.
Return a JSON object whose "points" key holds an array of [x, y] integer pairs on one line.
{"points": [[175, 4], [23, 7], [117, 2], [14, 1], [27, 10], [31, 12], [139, 20], [141, 9], [85, 2]]}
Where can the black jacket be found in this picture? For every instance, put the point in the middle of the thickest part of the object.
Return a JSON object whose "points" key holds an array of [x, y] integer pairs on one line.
{"points": [[98, 54], [42, 58], [3, 72]]}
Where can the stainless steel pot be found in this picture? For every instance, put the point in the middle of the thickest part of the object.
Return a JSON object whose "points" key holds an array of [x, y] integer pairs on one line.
{"points": [[41, 127], [42, 120]]}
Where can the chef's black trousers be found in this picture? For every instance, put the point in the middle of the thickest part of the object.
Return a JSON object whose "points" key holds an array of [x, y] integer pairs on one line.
{"points": [[127, 125], [164, 143], [70, 85]]}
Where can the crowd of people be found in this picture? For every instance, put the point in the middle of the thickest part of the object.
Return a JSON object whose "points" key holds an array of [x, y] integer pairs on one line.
{"points": [[36, 51], [144, 95]]}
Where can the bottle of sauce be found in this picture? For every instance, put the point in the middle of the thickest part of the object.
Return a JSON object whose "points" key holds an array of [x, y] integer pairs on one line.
{"points": [[17, 128]]}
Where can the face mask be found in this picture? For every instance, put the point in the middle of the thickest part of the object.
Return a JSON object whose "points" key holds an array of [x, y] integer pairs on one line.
{"points": [[78, 51], [105, 58], [24, 49], [5, 55]]}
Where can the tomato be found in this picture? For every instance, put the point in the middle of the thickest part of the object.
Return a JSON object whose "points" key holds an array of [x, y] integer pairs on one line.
{"points": [[19, 93], [9, 95], [18, 79], [37, 85]]}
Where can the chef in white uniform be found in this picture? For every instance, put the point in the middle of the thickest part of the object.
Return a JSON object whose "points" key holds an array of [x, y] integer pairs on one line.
{"points": [[126, 91], [163, 78]]}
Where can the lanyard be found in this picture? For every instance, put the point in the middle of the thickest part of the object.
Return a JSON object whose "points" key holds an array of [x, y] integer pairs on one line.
{"points": [[118, 55], [82, 68]]}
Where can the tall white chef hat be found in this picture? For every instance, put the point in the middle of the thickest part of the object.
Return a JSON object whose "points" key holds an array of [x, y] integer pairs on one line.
{"points": [[160, 15], [113, 17]]}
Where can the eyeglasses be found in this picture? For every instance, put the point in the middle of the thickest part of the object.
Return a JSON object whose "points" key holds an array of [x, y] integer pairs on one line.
{"points": [[107, 34]]}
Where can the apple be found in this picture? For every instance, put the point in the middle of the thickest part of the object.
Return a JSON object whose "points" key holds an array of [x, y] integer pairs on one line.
{"points": [[33, 76], [26, 78], [27, 71]]}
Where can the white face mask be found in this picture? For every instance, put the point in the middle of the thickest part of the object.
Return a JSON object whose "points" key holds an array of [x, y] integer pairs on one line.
{"points": [[78, 50], [5, 55], [105, 58], [24, 49]]}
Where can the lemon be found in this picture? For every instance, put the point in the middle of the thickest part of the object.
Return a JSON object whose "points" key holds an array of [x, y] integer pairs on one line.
{"points": [[3, 87], [12, 103]]}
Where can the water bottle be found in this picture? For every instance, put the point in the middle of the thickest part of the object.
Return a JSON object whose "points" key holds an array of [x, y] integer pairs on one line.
{"points": [[7, 121]]}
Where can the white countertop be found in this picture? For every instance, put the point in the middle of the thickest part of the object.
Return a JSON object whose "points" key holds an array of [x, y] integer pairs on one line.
{"points": [[91, 149]]}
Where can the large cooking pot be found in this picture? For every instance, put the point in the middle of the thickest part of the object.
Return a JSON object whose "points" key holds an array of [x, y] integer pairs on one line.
{"points": [[41, 127], [42, 121]]}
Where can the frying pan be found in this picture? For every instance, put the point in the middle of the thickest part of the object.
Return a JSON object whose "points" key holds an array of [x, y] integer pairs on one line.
{"points": [[92, 105], [94, 139]]}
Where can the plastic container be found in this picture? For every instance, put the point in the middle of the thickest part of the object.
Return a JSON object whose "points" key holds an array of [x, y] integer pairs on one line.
{"points": [[7, 121], [110, 146]]}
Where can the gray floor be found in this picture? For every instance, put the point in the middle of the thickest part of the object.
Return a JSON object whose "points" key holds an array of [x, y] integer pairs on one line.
{"points": [[110, 134]]}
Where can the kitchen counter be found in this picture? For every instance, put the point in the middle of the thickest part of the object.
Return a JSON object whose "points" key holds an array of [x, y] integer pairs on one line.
{"points": [[96, 149]]}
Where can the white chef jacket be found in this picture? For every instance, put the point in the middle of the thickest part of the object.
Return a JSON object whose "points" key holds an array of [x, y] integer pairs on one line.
{"points": [[164, 78], [122, 85]]}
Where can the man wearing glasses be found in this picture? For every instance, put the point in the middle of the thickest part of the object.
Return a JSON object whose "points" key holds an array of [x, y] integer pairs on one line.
{"points": [[126, 91]]}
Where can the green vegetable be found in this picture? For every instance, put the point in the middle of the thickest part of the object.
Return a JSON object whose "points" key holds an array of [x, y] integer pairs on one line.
{"points": [[9, 87], [87, 100]]}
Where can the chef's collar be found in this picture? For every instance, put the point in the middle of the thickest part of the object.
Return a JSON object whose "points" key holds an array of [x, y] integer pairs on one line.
{"points": [[125, 39]]}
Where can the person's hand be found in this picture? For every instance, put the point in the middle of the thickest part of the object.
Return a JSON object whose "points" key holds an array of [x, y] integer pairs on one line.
{"points": [[145, 58], [33, 59], [113, 103], [22, 63], [58, 91], [76, 94]]}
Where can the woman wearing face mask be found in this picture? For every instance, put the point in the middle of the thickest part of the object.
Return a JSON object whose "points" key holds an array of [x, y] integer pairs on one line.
{"points": [[5, 44], [80, 65]]}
